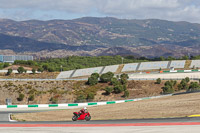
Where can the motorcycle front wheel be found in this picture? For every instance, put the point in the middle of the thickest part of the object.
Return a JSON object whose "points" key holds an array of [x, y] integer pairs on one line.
{"points": [[87, 118]]}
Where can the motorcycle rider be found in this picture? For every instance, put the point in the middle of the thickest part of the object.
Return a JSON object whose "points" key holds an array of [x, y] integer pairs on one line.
{"points": [[82, 111]]}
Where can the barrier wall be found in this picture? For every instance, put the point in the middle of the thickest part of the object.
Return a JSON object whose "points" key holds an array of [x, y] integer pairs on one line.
{"points": [[87, 71], [153, 65], [178, 64], [112, 68], [130, 67], [195, 64], [65, 74]]}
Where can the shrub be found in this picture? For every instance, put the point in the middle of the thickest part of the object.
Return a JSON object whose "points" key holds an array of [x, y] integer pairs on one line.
{"points": [[90, 96], [80, 98], [20, 70], [108, 90], [118, 89], [158, 81], [21, 97], [54, 100], [9, 71], [31, 97], [126, 93], [33, 70]]}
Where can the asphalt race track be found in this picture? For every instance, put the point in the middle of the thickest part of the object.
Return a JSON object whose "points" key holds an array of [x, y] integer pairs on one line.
{"points": [[164, 125]]}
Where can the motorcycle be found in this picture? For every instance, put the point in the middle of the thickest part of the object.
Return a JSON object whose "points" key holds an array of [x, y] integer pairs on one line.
{"points": [[84, 116]]}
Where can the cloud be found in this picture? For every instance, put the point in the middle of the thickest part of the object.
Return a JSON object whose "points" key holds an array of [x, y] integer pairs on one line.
{"points": [[178, 10]]}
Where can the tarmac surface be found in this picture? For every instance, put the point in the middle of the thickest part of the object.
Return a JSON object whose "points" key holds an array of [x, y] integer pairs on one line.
{"points": [[164, 125]]}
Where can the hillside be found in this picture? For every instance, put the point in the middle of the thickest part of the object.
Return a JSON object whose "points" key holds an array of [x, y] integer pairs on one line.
{"points": [[100, 36], [46, 92]]}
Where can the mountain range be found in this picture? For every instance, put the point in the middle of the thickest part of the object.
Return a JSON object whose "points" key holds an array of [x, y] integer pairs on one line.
{"points": [[91, 36]]}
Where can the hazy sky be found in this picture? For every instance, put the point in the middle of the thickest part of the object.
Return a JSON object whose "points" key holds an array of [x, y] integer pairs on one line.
{"points": [[176, 10]]}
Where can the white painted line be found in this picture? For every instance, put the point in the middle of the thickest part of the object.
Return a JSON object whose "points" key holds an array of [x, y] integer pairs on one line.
{"points": [[9, 118]]}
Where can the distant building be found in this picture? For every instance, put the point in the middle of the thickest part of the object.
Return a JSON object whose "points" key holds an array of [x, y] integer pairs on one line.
{"points": [[12, 58]]}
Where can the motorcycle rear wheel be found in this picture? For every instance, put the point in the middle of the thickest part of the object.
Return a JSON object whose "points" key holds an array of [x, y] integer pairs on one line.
{"points": [[74, 118]]}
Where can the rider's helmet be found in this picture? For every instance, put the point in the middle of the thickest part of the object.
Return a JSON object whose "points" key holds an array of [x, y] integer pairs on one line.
{"points": [[85, 108]]}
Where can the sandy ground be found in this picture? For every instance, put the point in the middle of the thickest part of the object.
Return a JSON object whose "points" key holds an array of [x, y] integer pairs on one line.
{"points": [[172, 106]]}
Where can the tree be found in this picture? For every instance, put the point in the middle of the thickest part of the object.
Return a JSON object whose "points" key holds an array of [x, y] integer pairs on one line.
{"points": [[183, 85], [51, 69], [185, 57], [33, 70], [5, 65], [167, 89], [123, 78], [114, 81], [9, 71], [187, 79], [193, 86], [45, 67], [106, 77], [40, 69], [96, 75], [20, 70], [169, 86], [92, 81]]}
